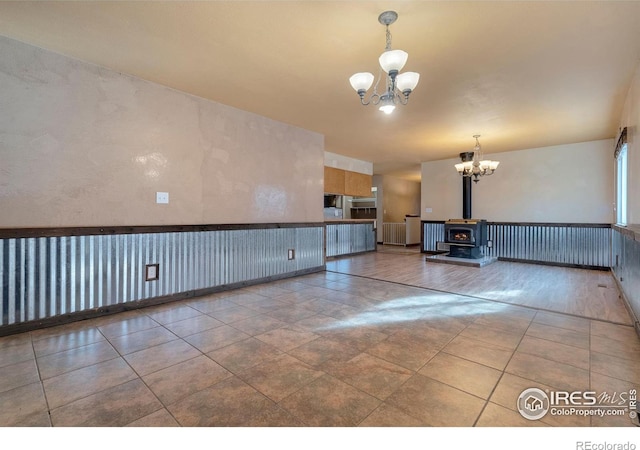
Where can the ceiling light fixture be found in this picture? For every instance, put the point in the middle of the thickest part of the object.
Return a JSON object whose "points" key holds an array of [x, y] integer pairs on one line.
{"points": [[474, 165], [397, 86]]}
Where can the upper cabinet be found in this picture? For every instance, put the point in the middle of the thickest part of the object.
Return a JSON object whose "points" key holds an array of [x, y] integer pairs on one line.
{"points": [[334, 180], [357, 184], [345, 182]]}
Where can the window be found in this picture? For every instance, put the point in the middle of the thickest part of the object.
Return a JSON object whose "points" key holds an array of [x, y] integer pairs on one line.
{"points": [[621, 185]]}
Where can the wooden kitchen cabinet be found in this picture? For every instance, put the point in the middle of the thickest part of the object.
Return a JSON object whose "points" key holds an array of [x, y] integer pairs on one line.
{"points": [[357, 184], [334, 180], [345, 182]]}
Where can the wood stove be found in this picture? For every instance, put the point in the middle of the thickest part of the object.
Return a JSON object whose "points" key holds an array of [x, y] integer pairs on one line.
{"points": [[465, 237]]}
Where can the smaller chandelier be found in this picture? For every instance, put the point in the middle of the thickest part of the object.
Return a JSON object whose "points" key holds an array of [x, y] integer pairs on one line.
{"points": [[474, 165], [397, 86]]}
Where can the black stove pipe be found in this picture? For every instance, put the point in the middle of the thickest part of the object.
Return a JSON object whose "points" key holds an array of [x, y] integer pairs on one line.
{"points": [[466, 188]]}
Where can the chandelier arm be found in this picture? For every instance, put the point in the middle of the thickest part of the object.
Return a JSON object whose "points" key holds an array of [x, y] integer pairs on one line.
{"points": [[403, 99]]}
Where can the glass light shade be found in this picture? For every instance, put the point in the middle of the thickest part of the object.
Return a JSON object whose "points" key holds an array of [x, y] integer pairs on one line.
{"points": [[387, 108], [464, 166], [494, 165], [407, 81], [393, 60], [361, 81], [485, 164]]}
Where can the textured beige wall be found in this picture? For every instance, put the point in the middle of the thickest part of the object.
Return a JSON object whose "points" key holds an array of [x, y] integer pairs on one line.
{"points": [[81, 145], [565, 183], [401, 197]]}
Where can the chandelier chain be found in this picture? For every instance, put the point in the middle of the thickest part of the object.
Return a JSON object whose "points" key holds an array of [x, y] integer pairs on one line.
{"points": [[388, 46]]}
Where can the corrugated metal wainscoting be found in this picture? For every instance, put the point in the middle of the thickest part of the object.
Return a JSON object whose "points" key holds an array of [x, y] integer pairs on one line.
{"points": [[585, 245], [344, 238], [626, 268], [49, 276]]}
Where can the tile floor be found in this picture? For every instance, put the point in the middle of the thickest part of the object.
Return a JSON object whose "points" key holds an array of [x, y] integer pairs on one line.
{"points": [[326, 349]]}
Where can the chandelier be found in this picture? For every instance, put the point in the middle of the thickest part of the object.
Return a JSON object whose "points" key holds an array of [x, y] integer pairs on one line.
{"points": [[474, 165], [397, 86]]}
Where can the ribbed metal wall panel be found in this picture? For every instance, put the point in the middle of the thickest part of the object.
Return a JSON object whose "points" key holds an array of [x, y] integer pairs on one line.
{"points": [[626, 268], [349, 238], [50, 276], [562, 244], [432, 233]]}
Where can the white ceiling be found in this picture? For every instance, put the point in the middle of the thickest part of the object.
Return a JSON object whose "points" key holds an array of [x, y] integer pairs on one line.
{"points": [[522, 74]]}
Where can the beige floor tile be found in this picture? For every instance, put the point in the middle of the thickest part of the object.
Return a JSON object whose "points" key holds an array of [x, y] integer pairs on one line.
{"points": [[208, 305], [509, 389], [244, 297], [234, 314], [462, 374], [73, 329], [88, 355], [561, 335], [161, 356], [193, 325], [66, 341], [481, 352], [563, 321], [622, 369], [493, 336], [267, 289], [629, 349], [14, 339], [127, 326], [115, 407], [210, 340], [244, 354], [185, 378], [435, 403], [360, 337], [230, 402], [324, 349], [171, 312], [406, 350], [317, 324], [555, 351], [80, 383], [372, 375], [258, 324], [160, 418], [24, 406], [292, 313], [18, 352], [551, 373], [139, 340], [388, 416], [287, 338], [267, 305], [280, 377], [499, 416], [613, 392], [18, 374], [273, 416], [330, 402], [623, 333], [505, 322]]}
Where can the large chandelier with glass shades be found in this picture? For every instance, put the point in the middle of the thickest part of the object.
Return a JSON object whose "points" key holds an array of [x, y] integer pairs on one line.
{"points": [[396, 86], [474, 165]]}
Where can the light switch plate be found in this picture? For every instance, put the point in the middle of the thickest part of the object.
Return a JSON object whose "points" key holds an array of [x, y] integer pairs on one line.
{"points": [[162, 197]]}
